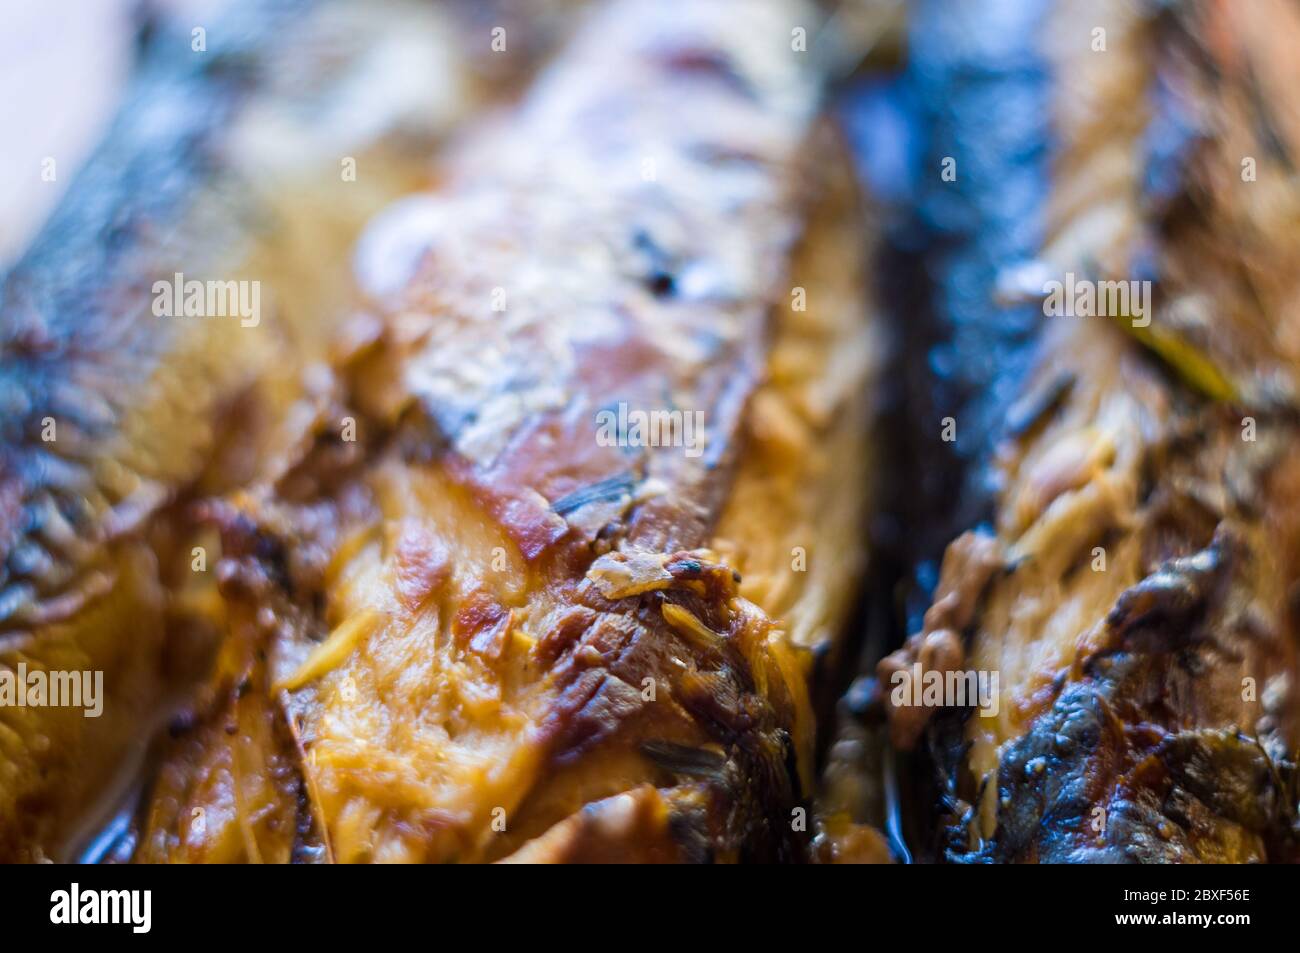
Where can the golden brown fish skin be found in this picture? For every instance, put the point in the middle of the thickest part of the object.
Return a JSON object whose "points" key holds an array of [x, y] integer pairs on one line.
{"points": [[523, 621], [114, 418], [661, 312]]}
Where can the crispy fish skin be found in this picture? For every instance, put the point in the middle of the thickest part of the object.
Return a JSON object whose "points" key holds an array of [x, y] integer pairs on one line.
{"points": [[495, 634], [113, 418], [1134, 593]]}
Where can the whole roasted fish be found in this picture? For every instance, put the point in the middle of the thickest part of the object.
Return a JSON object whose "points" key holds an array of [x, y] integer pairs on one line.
{"points": [[551, 581], [1133, 595]]}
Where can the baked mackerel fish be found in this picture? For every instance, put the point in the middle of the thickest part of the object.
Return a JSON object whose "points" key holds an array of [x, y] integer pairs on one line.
{"points": [[223, 164], [1135, 592], [552, 586]]}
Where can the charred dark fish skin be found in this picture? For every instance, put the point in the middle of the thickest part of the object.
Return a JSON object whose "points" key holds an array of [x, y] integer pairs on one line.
{"points": [[963, 214], [1120, 769], [1201, 796], [968, 63]]}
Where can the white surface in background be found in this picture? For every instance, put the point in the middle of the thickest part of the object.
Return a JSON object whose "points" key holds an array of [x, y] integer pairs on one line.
{"points": [[62, 67]]}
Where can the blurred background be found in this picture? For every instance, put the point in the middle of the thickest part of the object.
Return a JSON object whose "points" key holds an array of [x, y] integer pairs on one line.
{"points": [[64, 66]]}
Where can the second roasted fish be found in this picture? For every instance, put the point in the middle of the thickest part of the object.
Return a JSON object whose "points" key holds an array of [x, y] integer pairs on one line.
{"points": [[549, 585]]}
